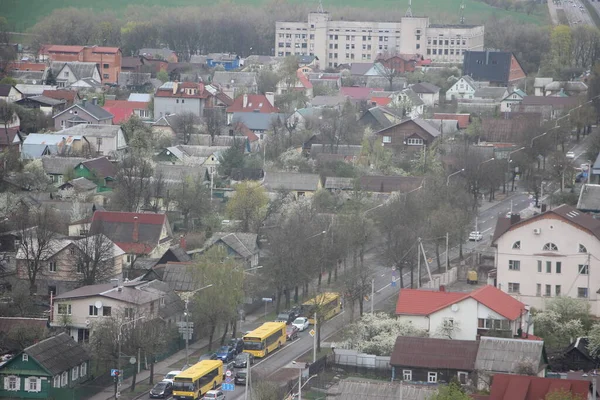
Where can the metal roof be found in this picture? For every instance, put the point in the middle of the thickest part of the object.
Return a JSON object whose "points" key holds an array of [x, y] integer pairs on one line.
{"points": [[505, 355], [425, 352], [58, 353], [589, 198], [291, 181], [357, 388]]}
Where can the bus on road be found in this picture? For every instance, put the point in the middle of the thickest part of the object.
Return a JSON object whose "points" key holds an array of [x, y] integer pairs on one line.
{"points": [[266, 338], [328, 305], [194, 382]]}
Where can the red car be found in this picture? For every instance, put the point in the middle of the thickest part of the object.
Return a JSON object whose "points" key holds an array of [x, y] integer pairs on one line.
{"points": [[291, 332]]}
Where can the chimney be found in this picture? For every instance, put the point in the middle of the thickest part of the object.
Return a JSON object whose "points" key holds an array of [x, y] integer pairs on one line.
{"points": [[182, 242], [442, 288], [84, 101], [487, 57], [95, 100], [114, 282], [175, 85], [136, 230], [245, 101], [544, 207], [270, 97]]}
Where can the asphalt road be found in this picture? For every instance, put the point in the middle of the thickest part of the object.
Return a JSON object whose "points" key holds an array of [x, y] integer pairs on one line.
{"points": [[576, 12]]}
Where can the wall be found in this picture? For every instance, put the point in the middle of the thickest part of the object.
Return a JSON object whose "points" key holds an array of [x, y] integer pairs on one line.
{"points": [[168, 105], [418, 321], [67, 115], [354, 358], [464, 318], [458, 92], [442, 279]]}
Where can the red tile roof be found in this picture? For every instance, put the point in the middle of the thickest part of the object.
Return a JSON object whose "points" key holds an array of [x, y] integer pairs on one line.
{"points": [[100, 49], [521, 387], [64, 49], [304, 80], [61, 94], [381, 101], [498, 301], [255, 102], [240, 126], [358, 93], [120, 115], [463, 119]]}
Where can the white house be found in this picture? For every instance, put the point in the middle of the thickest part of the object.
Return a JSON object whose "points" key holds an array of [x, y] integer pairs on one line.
{"points": [[409, 102], [9, 93], [549, 255], [512, 101], [462, 316], [464, 88], [103, 139], [429, 93]]}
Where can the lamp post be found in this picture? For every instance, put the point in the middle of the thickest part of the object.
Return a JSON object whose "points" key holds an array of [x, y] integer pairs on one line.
{"points": [[187, 324], [508, 161], [451, 175], [119, 377], [246, 271]]}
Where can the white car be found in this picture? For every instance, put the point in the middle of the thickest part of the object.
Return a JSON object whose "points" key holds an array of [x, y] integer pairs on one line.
{"points": [[301, 323], [475, 236], [570, 154], [214, 395], [171, 375], [510, 214]]}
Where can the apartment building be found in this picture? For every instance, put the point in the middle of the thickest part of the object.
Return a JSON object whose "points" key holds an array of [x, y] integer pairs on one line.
{"points": [[108, 59], [346, 42]]}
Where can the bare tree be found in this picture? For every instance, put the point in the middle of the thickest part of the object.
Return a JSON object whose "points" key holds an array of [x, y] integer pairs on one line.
{"points": [[186, 125], [132, 182], [192, 199], [95, 259], [214, 119]]}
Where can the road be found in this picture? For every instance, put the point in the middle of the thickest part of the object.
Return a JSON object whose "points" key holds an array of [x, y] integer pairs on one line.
{"points": [[576, 12]]}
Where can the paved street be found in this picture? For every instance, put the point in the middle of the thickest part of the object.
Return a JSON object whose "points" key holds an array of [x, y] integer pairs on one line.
{"points": [[576, 12]]}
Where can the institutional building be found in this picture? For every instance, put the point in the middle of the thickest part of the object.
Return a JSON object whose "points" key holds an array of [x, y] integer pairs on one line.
{"points": [[346, 42]]}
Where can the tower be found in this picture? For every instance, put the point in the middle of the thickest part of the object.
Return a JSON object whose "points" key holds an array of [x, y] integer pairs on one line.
{"points": [[408, 10], [320, 7], [461, 12]]}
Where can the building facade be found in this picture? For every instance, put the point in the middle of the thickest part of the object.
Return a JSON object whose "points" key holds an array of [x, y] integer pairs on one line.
{"points": [[108, 59], [346, 42]]}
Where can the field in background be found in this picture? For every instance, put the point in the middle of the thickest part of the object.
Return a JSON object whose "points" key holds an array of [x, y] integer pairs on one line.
{"points": [[24, 14]]}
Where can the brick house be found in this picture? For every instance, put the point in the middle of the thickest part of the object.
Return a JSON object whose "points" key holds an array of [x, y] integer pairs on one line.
{"points": [[108, 59]]}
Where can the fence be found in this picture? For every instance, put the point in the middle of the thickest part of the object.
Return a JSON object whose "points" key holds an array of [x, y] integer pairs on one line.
{"points": [[351, 361], [445, 278]]}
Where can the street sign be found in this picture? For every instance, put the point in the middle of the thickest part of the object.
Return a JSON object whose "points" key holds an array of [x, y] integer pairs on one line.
{"points": [[393, 268], [312, 332], [267, 299], [228, 373], [188, 335], [228, 387], [114, 372], [183, 324], [118, 394]]}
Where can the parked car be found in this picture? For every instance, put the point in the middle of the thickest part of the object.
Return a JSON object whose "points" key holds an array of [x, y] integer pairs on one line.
{"points": [[240, 378], [225, 353], [291, 333], [241, 360], [214, 395], [475, 236], [286, 316], [169, 377], [237, 344], [301, 323], [161, 390], [570, 154]]}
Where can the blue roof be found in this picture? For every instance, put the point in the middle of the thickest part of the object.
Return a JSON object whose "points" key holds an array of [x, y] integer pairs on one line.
{"points": [[32, 151], [256, 121]]}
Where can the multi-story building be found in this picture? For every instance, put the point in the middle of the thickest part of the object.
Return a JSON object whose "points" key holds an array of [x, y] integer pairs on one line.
{"points": [[108, 59], [346, 42]]}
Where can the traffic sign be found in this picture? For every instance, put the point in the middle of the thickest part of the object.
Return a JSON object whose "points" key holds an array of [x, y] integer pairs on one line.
{"points": [[184, 325], [114, 372], [228, 387], [312, 332], [267, 299], [228, 373], [393, 268]]}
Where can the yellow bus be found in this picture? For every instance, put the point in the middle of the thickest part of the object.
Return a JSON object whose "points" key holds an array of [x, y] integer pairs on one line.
{"points": [[198, 379], [328, 304], [264, 339]]}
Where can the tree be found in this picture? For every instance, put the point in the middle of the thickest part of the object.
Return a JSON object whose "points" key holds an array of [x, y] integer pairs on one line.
{"points": [[563, 320], [50, 78], [95, 259], [214, 120], [162, 76], [7, 51], [248, 205], [452, 391], [563, 394], [267, 81], [133, 176], [192, 199], [186, 125], [7, 116], [232, 158], [390, 74]]}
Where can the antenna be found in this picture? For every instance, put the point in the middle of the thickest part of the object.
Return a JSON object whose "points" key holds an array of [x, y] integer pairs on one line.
{"points": [[462, 12], [320, 8], [408, 10]]}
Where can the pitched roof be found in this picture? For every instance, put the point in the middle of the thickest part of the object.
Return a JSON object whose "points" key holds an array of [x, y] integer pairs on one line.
{"points": [[178, 173], [493, 66], [380, 114], [229, 78], [521, 387], [358, 92], [244, 244], [505, 355], [553, 101], [58, 353], [328, 101], [80, 70], [79, 184], [43, 100], [445, 126], [93, 130], [12, 133], [60, 165], [101, 167], [387, 184], [92, 109], [426, 302], [424, 87], [254, 102], [425, 352], [581, 345], [498, 301], [541, 82], [5, 89], [164, 53], [103, 49], [140, 97], [291, 181], [67, 95], [589, 198], [360, 68], [334, 182], [490, 92], [64, 49], [463, 119], [569, 86], [512, 128], [256, 121], [129, 292], [360, 388], [180, 276], [177, 90]]}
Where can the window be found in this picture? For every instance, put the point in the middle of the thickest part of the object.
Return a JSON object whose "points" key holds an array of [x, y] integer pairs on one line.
{"points": [[129, 313], [582, 292], [182, 101], [582, 249], [539, 266], [538, 289], [79, 268], [64, 379], [557, 290], [104, 76], [83, 369], [25, 357], [514, 287], [517, 245], [93, 311], [64, 309], [462, 377], [75, 373], [66, 73], [387, 139], [483, 323], [550, 247], [558, 267], [32, 384], [106, 311], [432, 377], [56, 383], [407, 375], [414, 142], [548, 292], [105, 66], [583, 269], [129, 258], [52, 266], [548, 267], [514, 265], [13, 383]]}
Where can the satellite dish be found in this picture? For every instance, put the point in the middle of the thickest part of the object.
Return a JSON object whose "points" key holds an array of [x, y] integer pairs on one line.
{"points": [[87, 321], [454, 308], [34, 82], [98, 304]]}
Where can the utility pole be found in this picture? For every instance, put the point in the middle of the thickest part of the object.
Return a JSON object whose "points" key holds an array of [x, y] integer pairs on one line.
{"points": [[447, 255], [119, 376], [300, 384], [588, 277], [418, 264], [187, 324], [315, 340], [247, 377], [372, 294]]}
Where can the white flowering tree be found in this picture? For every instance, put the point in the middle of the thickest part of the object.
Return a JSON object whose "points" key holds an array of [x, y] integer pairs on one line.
{"points": [[377, 333], [563, 320]]}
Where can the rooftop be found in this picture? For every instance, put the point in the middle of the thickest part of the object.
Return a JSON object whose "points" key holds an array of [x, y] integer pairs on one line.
{"points": [[425, 352], [58, 353], [291, 181], [589, 198]]}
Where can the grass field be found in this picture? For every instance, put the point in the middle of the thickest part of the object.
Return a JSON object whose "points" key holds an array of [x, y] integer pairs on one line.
{"points": [[25, 13]]}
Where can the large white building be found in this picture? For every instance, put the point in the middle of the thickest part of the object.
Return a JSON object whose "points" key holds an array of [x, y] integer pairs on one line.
{"points": [[345, 42], [548, 255]]}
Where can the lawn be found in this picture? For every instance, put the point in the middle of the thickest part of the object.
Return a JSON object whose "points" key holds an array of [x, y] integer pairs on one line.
{"points": [[24, 14]]}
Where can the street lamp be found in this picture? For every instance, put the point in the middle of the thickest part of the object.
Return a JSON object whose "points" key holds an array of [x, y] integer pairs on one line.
{"points": [[246, 271], [187, 324], [117, 383], [451, 175], [509, 161]]}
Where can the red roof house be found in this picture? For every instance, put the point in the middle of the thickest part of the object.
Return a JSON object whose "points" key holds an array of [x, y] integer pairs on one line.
{"points": [[123, 109], [358, 93], [521, 387], [254, 103]]}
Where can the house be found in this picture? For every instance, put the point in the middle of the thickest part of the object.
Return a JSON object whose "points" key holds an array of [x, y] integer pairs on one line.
{"points": [[61, 270], [37, 145], [34, 90], [108, 59], [549, 255], [328, 101], [522, 387], [240, 245], [179, 97], [9, 326], [514, 127], [78, 310], [206, 156], [410, 133], [539, 85], [122, 110], [500, 68], [551, 107], [389, 184], [352, 388], [464, 88], [512, 101], [463, 119], [360, 68], [246, 174], [140, 97], [57, 167], [137, 234], [81, 186], [47, 369], [358, 93], [300, 84], [334, 183], [143, 64], [178, 276], [160, 54], [226, 60], [491, 93], [429, 93], [136, 80], [577, 356], [11, 139], [433, 361], [327, 81], [68, 73], [298, 184], [305, 118], [103, 139], [378, 118], [10, 93], [380, 98], [47, 105], [99, 170], [589, 199], [409, 102], [569, 88], [400, 63], [445, 126], [463, 316], [28, 77], [88, 85], [164, 125], [252, 103], [232, 83], [69, 96], [85, 112], [257, 122]]}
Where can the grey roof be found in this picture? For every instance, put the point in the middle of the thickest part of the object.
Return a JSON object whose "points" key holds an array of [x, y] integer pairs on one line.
{"points": [[218, 141], [94, 110], [48, 101], [164, 53], [571, 86], [379, 114], [82, 185], [81, 70], [173, 304], [256, 121], [490, 92], [30, 90], [445, 126], [541, 82], [93, 130], [181, 277], [86, 82], [470, 81], [425, 87], [343, 149], [235, 79], [360, 68], [58, 353], [503, 355], [334, 182], [129, 292], [413, 97], [305, 59], [375, 81], [178, 173], [133, 78], [589, 198], [142, 97], [201, 151], [198, 59], [59, 165], [360, 388], [291, 181], [28, 76], [493, 66], [5, 89], [244, 244], [328, 101]]}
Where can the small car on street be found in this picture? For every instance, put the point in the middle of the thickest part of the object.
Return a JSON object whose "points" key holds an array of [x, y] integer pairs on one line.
{"points": [[240, 378], [225, 353], [570, 154], [291, 332], [241, 360], [162, 390], [237, 344], [169, 377], [475, 236], [214, 395], [286, 316], [301, 323]]}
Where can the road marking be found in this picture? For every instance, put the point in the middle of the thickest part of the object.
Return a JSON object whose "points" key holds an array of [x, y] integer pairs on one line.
{"points": [[488, 229]]}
